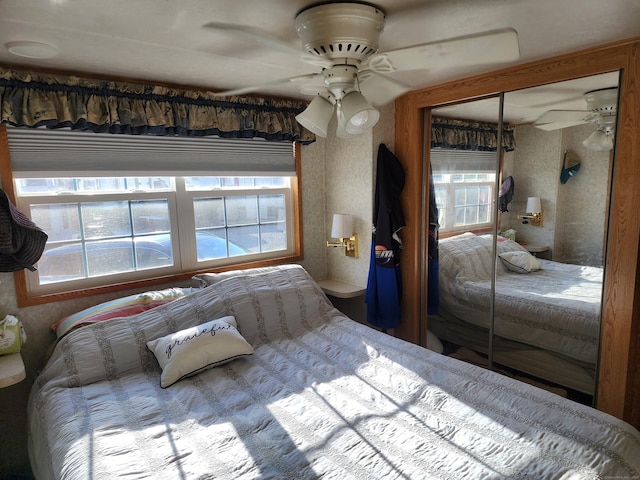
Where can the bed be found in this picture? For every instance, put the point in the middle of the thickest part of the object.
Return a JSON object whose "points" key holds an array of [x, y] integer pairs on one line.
{"points": [[547, 318], [317, 396]]}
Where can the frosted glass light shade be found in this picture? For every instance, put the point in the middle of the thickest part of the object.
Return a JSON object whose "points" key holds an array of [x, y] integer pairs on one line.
{"points": [[316, 116], [342, 225], [359, 116], [599, 141], [534, 205]]}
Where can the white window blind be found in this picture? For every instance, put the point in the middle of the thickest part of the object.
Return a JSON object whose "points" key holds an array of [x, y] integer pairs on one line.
{"points": [[64, 153], [445, 161]]}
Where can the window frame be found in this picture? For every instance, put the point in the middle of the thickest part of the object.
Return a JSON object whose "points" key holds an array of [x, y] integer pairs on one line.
{"points": [[26, 298]]}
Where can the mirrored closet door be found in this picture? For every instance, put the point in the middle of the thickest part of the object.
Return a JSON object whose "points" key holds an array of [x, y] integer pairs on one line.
{"points": [[523, 290]]}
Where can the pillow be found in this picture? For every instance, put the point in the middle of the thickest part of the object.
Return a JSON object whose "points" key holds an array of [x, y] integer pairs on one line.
{"points": [[520, 262], [198, 348], [120, 307]]}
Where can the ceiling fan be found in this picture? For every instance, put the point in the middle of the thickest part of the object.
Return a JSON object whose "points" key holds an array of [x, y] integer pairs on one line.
{"points": [[342, 40], [602, 105]]}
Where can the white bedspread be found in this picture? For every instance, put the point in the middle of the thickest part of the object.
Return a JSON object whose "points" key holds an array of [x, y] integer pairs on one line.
{"points": [[556, 308], [322, 397]]}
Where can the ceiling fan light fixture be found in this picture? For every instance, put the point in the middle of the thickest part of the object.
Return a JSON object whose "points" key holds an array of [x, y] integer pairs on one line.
{"points": [[316, 116], [359, 115], [600, 141]]}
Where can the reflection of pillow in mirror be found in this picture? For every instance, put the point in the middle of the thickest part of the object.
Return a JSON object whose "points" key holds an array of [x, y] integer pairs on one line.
{"points": [[193, 350], [520, 262]]}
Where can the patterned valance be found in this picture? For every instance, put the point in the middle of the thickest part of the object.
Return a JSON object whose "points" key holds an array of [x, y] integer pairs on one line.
{"points": [[466, 135], [29, 99]]}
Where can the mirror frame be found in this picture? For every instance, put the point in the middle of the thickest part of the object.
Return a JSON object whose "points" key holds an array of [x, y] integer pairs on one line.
{"points": [[619, 373]]}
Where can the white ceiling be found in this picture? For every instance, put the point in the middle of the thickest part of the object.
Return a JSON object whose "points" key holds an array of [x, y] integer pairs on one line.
{"points": [[165, 40]]}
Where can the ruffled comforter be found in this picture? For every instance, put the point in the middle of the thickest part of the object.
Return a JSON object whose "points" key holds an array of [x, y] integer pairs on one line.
{"points": [[321, 397]]}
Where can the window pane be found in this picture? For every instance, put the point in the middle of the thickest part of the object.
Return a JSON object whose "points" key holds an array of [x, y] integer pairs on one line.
{"points": [[209, 212], [270, 181], [61, 221], [247, 238], [93, 184], [472, 195], [483, 214], [272, 208], [110, 256], [471, 215], [460, 217], [209, 183], [60, 263], [150, 216], [273, 236], [153, 251], [148, 184], [242, 210], [202, 183], [105, 219], [212, 244]]}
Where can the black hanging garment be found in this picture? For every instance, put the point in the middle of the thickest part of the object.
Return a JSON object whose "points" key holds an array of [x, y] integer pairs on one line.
{"points": [[384, 286], [506, 193]]}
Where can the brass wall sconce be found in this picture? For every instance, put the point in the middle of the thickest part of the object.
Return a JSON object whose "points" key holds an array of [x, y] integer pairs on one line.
{"points": [[342, 229], [534, 212]]}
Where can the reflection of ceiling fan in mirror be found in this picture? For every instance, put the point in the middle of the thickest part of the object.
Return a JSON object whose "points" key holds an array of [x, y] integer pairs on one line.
{"points": [[342, 39], [601, 109]]}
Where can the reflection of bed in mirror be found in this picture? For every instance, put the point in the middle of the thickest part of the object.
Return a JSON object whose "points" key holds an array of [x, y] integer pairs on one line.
{"points": [[547, 321]]}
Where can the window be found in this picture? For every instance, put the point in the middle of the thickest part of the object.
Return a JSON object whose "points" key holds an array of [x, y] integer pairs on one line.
{"points": [[464, 184], [110, 229]]}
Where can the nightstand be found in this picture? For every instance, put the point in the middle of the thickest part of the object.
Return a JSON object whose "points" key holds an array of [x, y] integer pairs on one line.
{"points": [[338, 289], [540, 251], [346, 297], [11, 369]]}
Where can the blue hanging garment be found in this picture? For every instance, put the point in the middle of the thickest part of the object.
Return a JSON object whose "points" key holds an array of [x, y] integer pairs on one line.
{"points": [[384, 285]]}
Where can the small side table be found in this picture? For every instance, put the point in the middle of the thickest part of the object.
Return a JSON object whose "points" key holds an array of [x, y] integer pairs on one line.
{"points": [[11, 369], [339, 289]]}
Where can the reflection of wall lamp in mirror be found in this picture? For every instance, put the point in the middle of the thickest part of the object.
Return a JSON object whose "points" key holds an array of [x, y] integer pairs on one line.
{"points": [[534, 212], [342, 229]]}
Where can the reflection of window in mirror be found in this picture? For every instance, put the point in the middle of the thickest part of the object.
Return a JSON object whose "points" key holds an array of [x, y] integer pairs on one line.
{"points": [[464, 183]]}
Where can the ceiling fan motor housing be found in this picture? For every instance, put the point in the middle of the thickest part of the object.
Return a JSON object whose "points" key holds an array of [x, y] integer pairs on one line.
{"points": [[604, 102], [346, 32]]}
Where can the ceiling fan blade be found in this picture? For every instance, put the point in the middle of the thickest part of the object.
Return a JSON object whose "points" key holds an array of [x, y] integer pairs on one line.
{"points": [[266, 39], [255, 88], [491, 47], [558, 119], [380, 89]]}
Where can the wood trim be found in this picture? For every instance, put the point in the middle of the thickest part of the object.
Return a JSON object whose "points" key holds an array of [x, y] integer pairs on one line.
{"points": [[619, 375], [408, 145]]}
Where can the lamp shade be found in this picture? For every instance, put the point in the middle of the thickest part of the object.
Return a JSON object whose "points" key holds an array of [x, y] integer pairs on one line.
{"points": [[599, 141], [534, 205], [342, 225], [359, 116], [316, 116]]}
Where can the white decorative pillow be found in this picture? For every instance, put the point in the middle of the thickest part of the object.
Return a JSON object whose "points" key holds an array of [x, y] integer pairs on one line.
{"points": [[520, 262], [198, 348]]}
